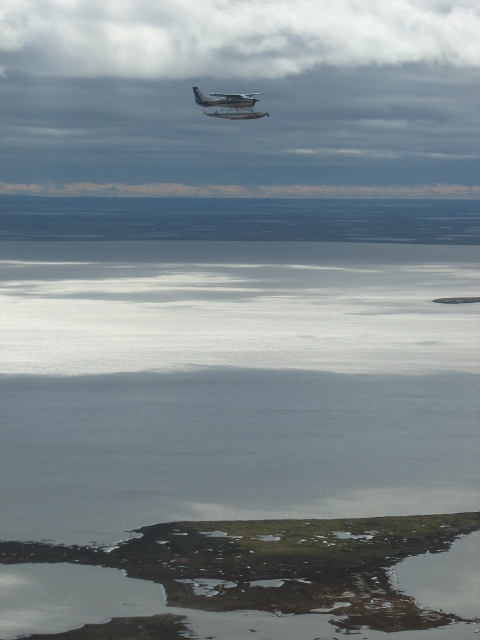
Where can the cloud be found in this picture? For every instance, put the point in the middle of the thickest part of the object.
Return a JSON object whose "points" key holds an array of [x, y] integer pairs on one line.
{"points": [[165, 190], [182, 39], [355, 153]]}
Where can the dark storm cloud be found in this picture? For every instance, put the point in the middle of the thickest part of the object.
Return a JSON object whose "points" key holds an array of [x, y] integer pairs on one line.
{"points": [[409, 124]]}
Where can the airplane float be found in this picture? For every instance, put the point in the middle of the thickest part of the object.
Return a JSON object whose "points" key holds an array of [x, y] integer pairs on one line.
{"points": [[233, 106]]}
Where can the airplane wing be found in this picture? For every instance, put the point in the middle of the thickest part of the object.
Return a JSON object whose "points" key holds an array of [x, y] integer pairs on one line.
{"points": [[226, 95], [237, 95]]}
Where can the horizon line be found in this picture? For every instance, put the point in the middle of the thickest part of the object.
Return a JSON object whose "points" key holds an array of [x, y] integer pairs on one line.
{"points": [[172, 189]]}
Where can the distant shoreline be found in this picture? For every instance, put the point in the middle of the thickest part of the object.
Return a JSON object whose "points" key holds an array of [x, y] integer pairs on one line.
{"points": [[428, 222], [459, 300]]}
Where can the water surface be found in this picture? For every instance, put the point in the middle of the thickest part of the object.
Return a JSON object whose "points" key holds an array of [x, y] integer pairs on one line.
{"points": [[449, 581], [148, 382], [46, 598], [51, 598]]}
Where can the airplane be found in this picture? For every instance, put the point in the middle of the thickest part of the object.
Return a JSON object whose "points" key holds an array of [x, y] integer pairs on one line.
{"points": [[234, 106]]}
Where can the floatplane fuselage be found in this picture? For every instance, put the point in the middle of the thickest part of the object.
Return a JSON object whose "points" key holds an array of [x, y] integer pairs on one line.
{"points": [[233, 106]]}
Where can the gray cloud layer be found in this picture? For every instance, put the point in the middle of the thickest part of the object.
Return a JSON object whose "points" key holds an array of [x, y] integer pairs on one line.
{"points": [[232, 38], [390, 125]]}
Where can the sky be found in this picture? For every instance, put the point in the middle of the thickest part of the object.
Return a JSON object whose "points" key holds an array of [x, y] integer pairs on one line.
{"points": [[365, 97]]}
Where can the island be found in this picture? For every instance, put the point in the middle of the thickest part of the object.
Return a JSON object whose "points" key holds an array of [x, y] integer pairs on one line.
{"points": [[341, 567], [461, 300]]}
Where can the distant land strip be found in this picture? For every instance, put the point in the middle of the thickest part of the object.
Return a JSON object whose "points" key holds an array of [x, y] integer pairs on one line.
{"points": [[463, 300], [171, 189], [90, 218]]}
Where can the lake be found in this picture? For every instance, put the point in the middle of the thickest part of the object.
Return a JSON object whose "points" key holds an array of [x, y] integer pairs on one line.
{"points": [[147, 382]]}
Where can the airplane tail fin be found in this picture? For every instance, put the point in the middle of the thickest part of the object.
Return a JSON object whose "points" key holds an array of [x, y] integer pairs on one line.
{"points": [[199, 97]]}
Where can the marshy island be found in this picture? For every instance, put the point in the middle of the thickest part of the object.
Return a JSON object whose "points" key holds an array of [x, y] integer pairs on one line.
{"points": [[342, 568]]}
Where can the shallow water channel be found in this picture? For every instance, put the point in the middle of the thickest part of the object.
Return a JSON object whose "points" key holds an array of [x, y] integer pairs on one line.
{"points": [[50, 598], [449, 581]]}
